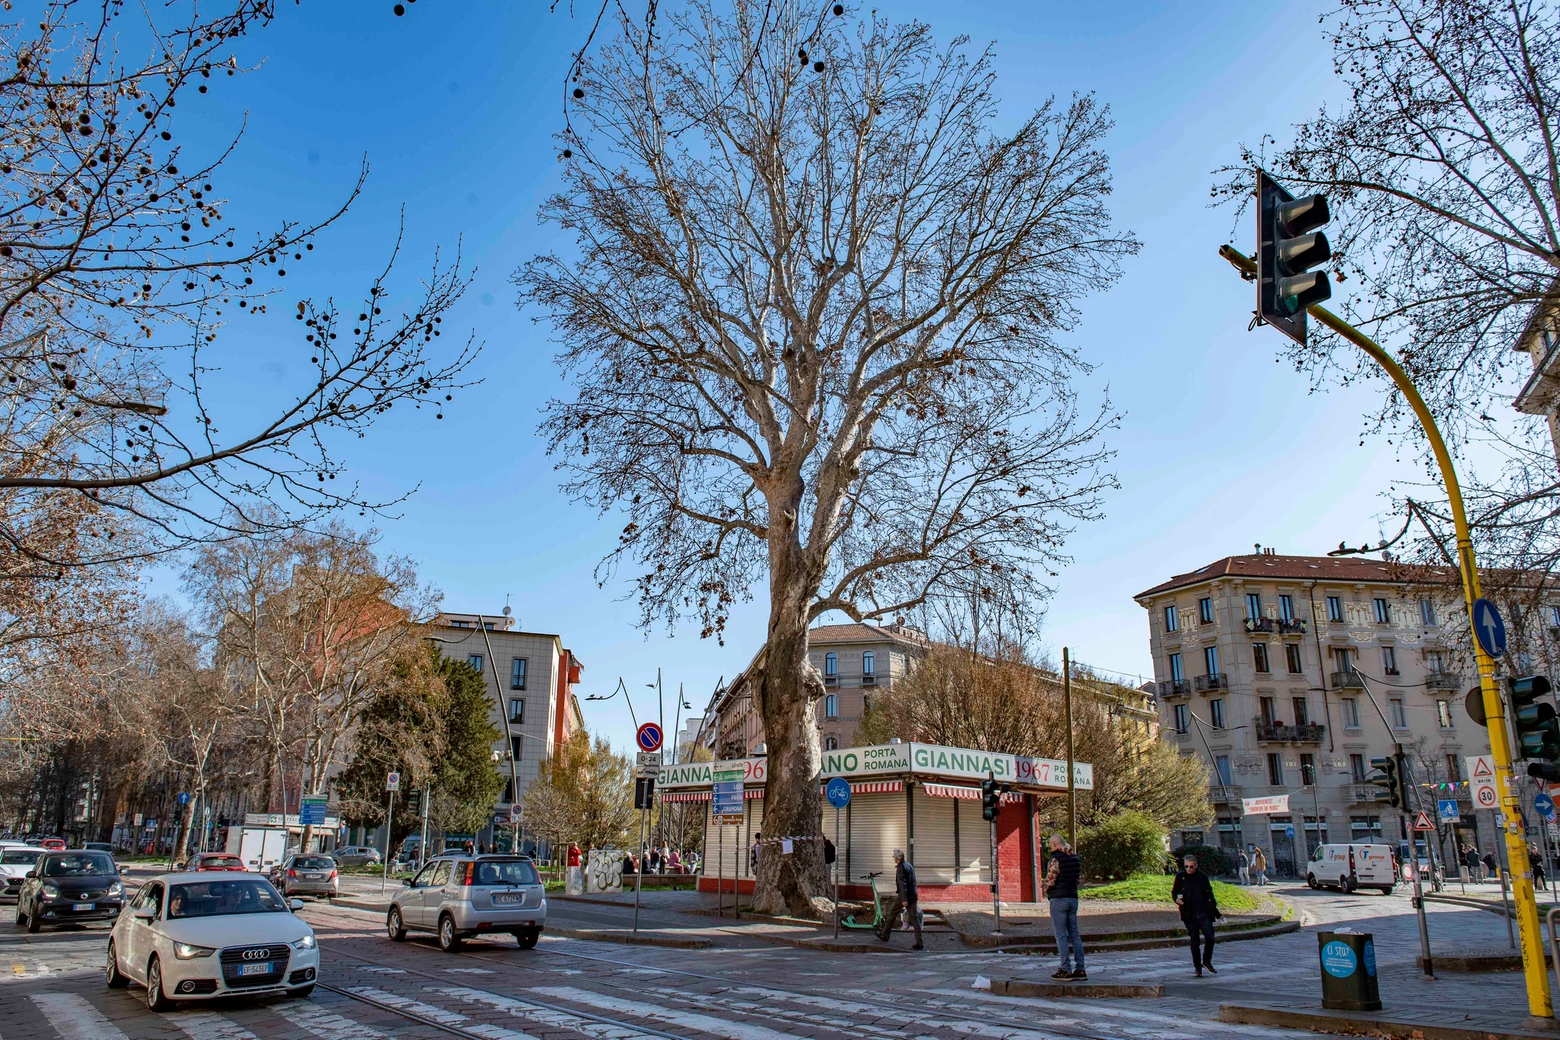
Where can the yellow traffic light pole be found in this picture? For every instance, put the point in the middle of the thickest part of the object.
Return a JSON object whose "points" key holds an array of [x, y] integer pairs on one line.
{"points": [[1533, 962]]}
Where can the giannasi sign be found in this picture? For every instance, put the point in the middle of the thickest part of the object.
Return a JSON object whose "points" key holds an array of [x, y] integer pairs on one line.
{"points": [[898, 759]]}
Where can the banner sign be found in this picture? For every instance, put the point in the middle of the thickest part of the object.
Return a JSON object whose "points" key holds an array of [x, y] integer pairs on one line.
{"points": [[1266, 806], [893, 759]]}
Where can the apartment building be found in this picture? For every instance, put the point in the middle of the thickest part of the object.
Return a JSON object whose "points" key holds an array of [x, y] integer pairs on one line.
{"points": [[1540, 339], [1288, 674]]}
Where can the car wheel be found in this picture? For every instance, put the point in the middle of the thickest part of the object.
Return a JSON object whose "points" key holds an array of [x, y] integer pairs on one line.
{"points": [[1386, 890], [21, 918], [156, 999], [111, 972], [1310, 879], [1351, 883], [448, 940], [302, 994], [527, 940], [395, 926]]}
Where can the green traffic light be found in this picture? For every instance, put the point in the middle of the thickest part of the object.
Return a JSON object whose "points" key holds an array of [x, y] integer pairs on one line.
{"points": [[1537, 723]]}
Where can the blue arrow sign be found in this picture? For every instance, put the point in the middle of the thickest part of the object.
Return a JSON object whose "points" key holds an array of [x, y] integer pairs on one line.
{"points": [[1488, 628], [838, 792], [184, 798], [1543, 804]]}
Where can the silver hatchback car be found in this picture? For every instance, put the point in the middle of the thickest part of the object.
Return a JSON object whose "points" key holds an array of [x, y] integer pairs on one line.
{"points": [[460, 895]]}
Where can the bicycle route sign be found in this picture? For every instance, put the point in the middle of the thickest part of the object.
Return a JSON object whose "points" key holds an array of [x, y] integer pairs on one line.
{"points": [[838, 792]]}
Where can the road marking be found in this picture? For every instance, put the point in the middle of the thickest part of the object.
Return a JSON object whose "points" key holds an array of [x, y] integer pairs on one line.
{"points": [[770, 1008], [207, 1025], [75, 1019], [18, 967], [376, 970], [415, 1007], [471, 971], [325, 1024], [687, 1019], [548, 1016]]}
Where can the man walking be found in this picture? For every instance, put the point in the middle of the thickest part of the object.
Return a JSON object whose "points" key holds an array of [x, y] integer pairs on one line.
{"points": [[1193, 893], [1259, 864], [1475, 868], [906, 900], [1243, 869], [1061, 887]]}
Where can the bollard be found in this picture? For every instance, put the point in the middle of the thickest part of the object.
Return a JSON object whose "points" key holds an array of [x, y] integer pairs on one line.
{"points": [[1348, 971]]}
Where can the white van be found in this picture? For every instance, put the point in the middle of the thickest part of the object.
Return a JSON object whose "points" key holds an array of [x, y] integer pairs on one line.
{"points": [[1348, 867]]}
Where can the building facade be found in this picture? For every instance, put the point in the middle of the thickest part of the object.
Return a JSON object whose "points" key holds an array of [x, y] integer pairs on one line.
{"points": [[1540, 339]]}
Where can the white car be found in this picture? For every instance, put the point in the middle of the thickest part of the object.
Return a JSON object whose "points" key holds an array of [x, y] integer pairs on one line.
{"points": [[195, 936], [16, 860]]}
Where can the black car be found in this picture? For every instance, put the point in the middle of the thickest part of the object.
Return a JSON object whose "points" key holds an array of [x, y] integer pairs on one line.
{"points": [[69, 887]]}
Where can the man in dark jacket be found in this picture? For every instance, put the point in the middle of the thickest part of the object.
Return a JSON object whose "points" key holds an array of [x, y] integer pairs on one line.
{"points": [[1061, 888], [1193, 893], [906, 900]]}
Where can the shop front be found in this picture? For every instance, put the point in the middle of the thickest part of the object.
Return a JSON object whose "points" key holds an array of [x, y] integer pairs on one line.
{"points": [[923, 798]]}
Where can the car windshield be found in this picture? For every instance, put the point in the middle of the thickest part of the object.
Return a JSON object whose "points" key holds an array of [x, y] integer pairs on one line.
{"points": [[221, 861], [20, 855], [216, 898], [78, 864], [503, 872], [314, 863]]}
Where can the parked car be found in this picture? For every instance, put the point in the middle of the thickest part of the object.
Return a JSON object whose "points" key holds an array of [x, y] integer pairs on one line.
{"points": [[1352, 866], [15, 861], [214, 861], [198, 935], [99, 846], [52, 844], [358, 856], [456, 896], [311, 875], [69, 888]]}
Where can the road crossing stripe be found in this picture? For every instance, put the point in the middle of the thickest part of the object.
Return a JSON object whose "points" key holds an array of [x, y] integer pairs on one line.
{"points": [[18, 967], [207, 1025], [686, 1019], [415, 1007], [75, 1019], [767, 1009], [547, 1016], [1154, 1023], [325, 1024], [906, 1013]]}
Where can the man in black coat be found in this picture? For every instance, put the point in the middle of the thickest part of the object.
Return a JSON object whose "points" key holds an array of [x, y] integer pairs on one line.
{"points": [[906, 899], [1193, 893]]}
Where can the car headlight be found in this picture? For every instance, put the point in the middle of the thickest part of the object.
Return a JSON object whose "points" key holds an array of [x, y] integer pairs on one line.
{"points": [[52, 891], [306, 943], [116, 889], [189, 951]]}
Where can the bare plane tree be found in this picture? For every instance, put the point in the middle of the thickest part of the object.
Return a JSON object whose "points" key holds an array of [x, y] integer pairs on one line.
{"points": [[815, 325]]}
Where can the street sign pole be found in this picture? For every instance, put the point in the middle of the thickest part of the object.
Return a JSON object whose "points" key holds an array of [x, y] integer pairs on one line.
{"points": [[422, 851], [836, 869], [720, 868], [389, 807], [996, 899], [639, 875]]}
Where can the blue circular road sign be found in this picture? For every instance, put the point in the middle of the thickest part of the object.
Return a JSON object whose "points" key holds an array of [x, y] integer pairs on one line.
{"points": [[1543, 804], [1488, 628], [649, 737], [837, 792], [1289, 831], [184, 798]]}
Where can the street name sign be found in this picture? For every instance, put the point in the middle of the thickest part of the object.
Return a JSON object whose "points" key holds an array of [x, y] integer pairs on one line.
{"points": [[1422, 822], [726, 796], [1481, 781], [1488, 627], [1448, 811]]}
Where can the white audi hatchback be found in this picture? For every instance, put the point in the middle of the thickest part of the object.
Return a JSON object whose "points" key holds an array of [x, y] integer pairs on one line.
{"points": [[195, 936]]}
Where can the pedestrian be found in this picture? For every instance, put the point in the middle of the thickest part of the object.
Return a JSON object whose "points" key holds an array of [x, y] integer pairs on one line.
{"points": [[629, 866], [1193, 893], [906, 900], [666, 857], [753, 853], [1061, 887], [674, 865], [655, 860], [574, 855], [471, 848], [1491, 870], [1243, 870], [1470, 857], [1536, 865], [1259, 865]]}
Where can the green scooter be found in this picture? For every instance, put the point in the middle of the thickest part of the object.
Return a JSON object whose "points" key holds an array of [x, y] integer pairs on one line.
{"points": [[879, 905]]}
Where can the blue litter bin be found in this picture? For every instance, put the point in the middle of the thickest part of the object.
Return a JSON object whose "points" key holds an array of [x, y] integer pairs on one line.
{"points": [[1348, 971]]}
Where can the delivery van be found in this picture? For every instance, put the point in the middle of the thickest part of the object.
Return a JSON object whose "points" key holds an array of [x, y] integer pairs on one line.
{"points": [[1348, 867]]}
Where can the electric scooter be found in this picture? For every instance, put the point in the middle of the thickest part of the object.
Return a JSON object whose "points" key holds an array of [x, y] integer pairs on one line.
{"points": [[879, 904]]}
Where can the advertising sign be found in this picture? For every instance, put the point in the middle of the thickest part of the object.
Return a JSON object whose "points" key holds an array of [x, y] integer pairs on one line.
{"points": [[891, 759], [1268, 805]]}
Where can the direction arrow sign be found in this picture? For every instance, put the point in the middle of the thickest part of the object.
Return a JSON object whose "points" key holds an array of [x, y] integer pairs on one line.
{"points": [[1422, 822], [312, 811], [1488, 628], [1543, 804], [648, 737]]}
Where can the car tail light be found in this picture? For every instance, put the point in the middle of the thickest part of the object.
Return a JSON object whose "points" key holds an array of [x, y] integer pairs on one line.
{"points": [[333, 875], [292, 873], [471, 871]]}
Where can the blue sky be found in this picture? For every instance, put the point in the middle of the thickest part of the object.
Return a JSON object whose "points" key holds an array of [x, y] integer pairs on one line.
{"points": [[453, 106]]}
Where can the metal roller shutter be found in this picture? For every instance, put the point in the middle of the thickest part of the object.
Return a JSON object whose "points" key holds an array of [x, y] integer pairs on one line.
{"points": [[877, 828], [933, 858], [750, 830]]}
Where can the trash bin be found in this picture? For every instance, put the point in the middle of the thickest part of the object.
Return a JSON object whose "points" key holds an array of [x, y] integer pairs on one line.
{"points": [[1348, 971]]}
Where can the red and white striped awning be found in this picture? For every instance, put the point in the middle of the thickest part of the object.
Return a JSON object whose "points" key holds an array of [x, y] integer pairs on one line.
{"points": [[877, 787], [753, 793], [967, 793], [686, 796]]}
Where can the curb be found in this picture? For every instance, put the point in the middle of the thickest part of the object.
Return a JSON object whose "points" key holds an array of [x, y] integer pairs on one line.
{"points": [[1047, 944], [628, 938], [1018, 988], [1104, 938], [1322, 1020]]}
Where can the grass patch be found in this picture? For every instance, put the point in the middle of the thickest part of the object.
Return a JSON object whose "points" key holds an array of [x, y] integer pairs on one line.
{"points": [[1155, 888]]}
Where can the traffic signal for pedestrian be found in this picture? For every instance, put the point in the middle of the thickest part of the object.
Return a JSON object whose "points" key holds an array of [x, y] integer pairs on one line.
{"points": [[990, 798], [1288, 246], [1389, 780], [1538, 727]]}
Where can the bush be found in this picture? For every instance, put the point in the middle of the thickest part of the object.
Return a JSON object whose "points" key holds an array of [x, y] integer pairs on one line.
{"points": [[1125, 844], [1210, 860]]}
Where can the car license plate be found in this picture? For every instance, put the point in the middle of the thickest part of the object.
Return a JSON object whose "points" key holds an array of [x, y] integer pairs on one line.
{"points": [[507, 897], [254, 969], [81, 906], [311, 877]]}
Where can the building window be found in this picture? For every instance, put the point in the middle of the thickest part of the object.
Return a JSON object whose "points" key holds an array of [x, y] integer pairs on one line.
{"points": [[1221, 766], [830, 742], [1396, 713], [1181, 723], [1443, 714], [1253, 605], [831, 706], [1554, 616], [1211, 659], [1292, 658], [1269, 710], [517, 670], [831, 665], [1357, 768], [1308, 770], [1383, 614], [1389, 660], [1454, 768], [1351, 713], [1216, 713], [1259, 656], [1343, 657], [1286, 608], [1175, 668], [1276, 770], [475, 660], [1427, 611], [1434, 662], [1205, 610], [1302, 714], [1363, 828], [1334, 608], [868, 663], [517, 709], [514, 747], [1170, 619]]}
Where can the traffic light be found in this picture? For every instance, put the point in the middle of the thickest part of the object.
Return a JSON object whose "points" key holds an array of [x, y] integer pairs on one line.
{"points": [[1538, 727], [1389, 780], [990, 798], [414, 801], [1288, 245]]}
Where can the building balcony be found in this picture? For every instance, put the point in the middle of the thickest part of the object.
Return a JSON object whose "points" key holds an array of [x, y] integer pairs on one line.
{"points": [[1366, 794], [1261, 624], [1349, 680], [1277, 732], [1223, 794], [1443, 681], [1216, 681], [869, 680], [831, 680], [1294, 626], [1172, 689]]}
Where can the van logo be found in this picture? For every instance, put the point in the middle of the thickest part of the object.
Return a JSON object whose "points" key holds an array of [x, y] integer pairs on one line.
{"points": [[257, 955]]}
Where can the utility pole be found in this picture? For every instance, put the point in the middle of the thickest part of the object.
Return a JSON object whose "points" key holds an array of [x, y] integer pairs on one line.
{"points": [[1072, 785]]}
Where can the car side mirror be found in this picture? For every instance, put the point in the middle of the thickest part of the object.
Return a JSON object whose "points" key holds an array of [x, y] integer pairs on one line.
{"points": [[145, 913], [295, 905]]}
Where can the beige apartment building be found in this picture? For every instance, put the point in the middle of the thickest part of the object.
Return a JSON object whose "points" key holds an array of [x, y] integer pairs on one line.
{"points": [[1288, 674], [1540, 339]]}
